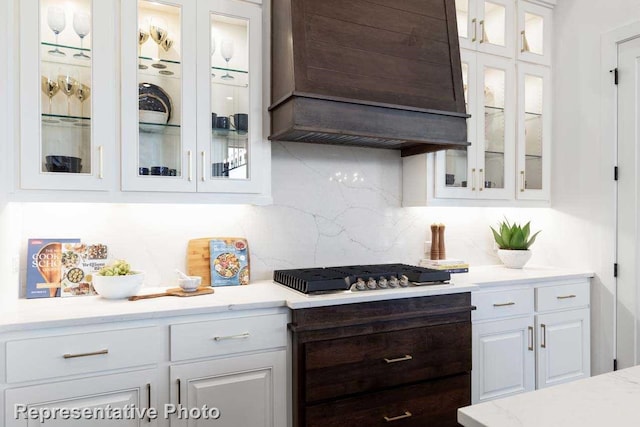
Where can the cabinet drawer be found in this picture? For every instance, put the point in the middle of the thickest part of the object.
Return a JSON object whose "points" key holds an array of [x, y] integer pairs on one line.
{"points": [[50, 357], [226, 336], [429, 404], [364, 363], [562, 296], [492, 305]]}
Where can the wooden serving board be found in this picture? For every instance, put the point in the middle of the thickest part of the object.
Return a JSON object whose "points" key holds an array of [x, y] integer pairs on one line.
{"points": [[199, 258], [175, 292]]}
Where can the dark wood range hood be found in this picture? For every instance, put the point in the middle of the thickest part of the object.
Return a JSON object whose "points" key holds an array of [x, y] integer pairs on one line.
{"points": [[375, 73]]}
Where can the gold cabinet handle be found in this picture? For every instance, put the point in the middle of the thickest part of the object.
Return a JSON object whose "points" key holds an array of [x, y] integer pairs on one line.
{"points": [[148, 403], [543, 341], [566, 296], [481, 186], [100, 162], [407, 414], [190, 165], [399, 359], [93, 353], [521, 181], [204, 164], [530, 338], [523, 40], [482, 40], [504, 304], [232, 337], [475, 30], [473, 179]]}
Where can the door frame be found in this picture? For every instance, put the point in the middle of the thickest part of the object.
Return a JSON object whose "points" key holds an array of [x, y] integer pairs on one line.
{"points": [[609, 130]]}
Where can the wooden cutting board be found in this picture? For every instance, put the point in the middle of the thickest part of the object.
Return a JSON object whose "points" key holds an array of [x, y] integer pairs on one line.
{"points": [[199, 258], [175, 292]]}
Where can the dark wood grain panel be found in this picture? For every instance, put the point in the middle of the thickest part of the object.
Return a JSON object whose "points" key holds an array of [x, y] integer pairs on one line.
{"points": [[433, 8], [375, 40], [354, 365], [392, 19], [282, 82], [431, 404]]}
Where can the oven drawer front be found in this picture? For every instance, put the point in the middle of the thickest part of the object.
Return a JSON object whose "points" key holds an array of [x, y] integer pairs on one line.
{"points": [[227, 336], [62, 356], [560, 297], [504, 303], [429, 404], [364, 363]]}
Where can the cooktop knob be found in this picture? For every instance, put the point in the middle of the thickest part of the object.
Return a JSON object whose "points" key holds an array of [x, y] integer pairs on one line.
{"points": [[393, 282], [371, 283], [404, 281], [382, 282], [360, 285]]}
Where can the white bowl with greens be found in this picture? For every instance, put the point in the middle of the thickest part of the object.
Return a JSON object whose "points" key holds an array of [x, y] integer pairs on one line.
{"points": [[118, 281]]}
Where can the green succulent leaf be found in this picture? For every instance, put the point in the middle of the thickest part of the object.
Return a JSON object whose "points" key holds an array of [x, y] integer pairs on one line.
{"points": [[498, 238], [513, 235], [533, 239]]}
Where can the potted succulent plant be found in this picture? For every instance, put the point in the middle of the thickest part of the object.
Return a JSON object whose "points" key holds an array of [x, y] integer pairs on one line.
{"points": [[514, 242]]}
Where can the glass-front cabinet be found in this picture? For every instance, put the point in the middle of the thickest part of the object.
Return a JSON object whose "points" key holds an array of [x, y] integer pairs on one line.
{"points": [[534, 33], [534, 132], [485, 169], [68, 102], [196, 70], [486, 25]]}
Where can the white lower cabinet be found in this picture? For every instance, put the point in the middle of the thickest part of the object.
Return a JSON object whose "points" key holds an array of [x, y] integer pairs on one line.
{"points": [[97, 396], [520, 346], [243, 391]]}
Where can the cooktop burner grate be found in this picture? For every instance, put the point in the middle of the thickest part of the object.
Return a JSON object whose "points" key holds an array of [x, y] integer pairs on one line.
{"points": [[314, 280]]}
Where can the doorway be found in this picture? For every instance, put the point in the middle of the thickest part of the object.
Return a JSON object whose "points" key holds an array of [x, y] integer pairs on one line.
{"points": [[628, 199]]}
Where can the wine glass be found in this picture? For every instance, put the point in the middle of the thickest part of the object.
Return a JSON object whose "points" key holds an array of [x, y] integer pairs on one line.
{"points": [[213, 50], [68, 85], [226, 50], [143, 36], [50, 88], [57, 22], [166, 44], [82, 93], [158, 30], [82, 27]]}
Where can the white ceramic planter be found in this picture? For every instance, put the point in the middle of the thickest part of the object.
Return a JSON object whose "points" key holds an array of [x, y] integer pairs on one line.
{"points": [[514, 259]]}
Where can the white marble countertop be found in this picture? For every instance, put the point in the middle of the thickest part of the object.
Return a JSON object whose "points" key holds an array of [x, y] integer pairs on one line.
{"points": [[605, 400], [58, 312]]}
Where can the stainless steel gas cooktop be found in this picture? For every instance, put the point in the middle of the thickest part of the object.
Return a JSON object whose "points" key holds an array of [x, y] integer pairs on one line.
{"points": [[358, 277]]}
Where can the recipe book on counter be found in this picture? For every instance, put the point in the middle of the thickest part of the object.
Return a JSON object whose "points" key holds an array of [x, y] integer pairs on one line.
{"points": [[448, 265]]}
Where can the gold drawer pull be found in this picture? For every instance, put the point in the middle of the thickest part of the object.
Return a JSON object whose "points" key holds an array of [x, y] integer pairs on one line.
{"points": [[566, 296], [504, 304], [94, 353], [407, 414], [399, 359], [232, 337]]}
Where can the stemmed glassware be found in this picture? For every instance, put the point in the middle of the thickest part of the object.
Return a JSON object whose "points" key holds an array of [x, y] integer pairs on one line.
{"points": [[68, 85], [143, 36], [82, 93], [82, 27], [158, 30], [213, 49], [226, 50], [50, 88], [57, 22]]}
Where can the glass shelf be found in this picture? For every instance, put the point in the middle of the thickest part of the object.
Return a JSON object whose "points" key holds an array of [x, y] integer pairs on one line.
{"points": [[500, 153], [67, 60], [157, 67], [58, 120], [231, 70], [61, 46], [227, 133], [159, 128]]}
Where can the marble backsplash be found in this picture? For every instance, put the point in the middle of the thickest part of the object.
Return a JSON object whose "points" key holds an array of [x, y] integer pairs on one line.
{"points": [[332, 206]]}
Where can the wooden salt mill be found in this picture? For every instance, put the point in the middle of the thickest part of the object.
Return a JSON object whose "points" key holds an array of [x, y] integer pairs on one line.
{"points": [[441, 252], [435, 243]]}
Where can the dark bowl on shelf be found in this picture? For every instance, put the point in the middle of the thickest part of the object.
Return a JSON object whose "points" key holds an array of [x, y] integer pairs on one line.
{"points": [[64, 164]]}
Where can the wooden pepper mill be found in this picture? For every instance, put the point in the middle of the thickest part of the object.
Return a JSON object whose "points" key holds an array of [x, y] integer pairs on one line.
{"points": [[441, 251], [435, 243]]}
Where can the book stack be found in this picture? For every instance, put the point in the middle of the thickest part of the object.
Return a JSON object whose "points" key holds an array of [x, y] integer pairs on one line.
{"points": [[449, 265]]}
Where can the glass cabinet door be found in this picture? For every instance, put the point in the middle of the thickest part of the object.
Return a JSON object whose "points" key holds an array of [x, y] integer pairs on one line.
{"points": [[496, 127], [68, 94], [230, 98], [159, 67], [467, 23], [534, 33], [534, 132], [496, 27]]}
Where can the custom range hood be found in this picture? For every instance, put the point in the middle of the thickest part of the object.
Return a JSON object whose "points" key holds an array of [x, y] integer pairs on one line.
{"points": [[375, 73]]}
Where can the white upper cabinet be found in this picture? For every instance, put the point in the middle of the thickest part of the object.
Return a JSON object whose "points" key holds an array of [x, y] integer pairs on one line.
{"points": [[487, 26], [67, 94], [534, 33], [485, 169], [196, 124]]}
